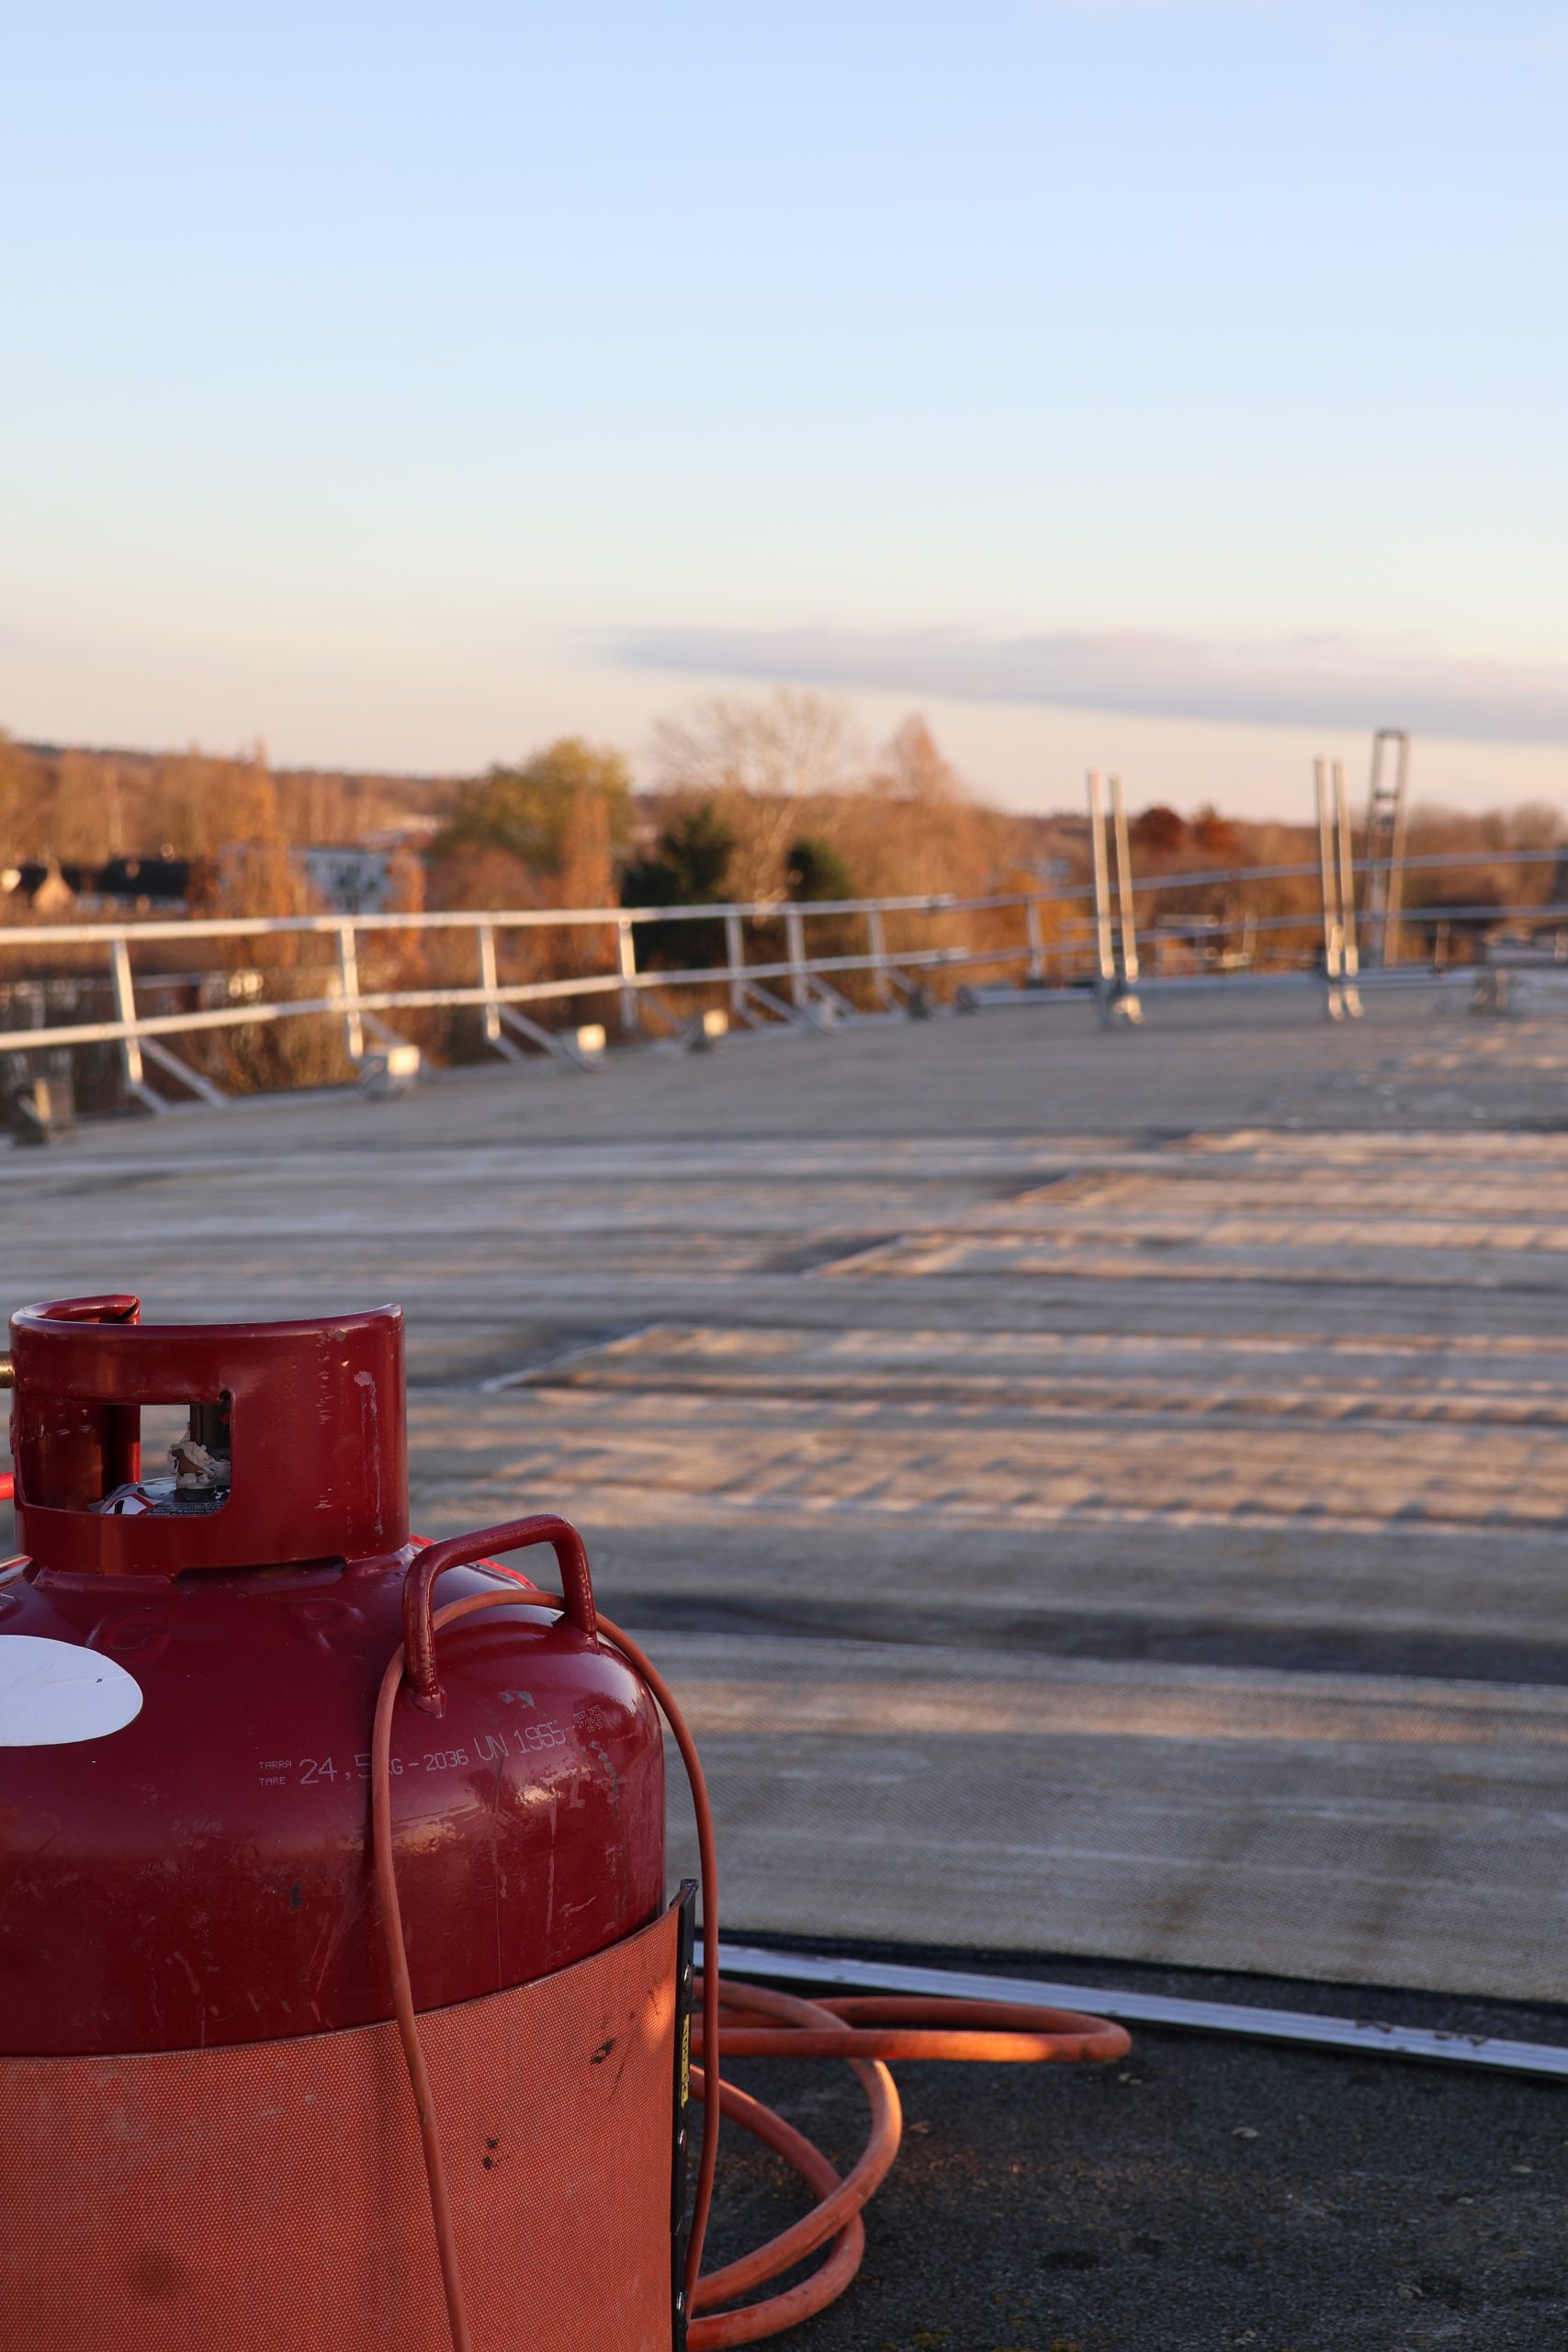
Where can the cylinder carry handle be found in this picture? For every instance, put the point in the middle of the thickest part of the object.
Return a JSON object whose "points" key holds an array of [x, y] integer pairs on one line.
{"points": [[464, 1552]]}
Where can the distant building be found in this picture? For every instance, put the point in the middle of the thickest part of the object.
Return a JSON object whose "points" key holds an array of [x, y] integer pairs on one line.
{"points": [[348, 880], [131, 885], [138, 886]]}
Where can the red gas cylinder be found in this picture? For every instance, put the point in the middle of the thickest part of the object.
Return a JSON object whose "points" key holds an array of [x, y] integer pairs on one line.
{"points": [[199, 2086]]}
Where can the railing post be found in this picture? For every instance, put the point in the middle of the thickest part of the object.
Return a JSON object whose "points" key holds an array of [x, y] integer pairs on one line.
{"points": [[348, 973], [490, 981], [1328, 885], [1349, 960], [1393, 900], [794, 932], [1127, 1003], [490, 1012], [1036, 939], [735, 958], [625, 962], [1105, 953], [877, 931], [125, 1009]]}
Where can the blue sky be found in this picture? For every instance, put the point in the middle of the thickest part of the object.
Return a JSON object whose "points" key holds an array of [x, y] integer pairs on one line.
{"points": [[1168, 386]]}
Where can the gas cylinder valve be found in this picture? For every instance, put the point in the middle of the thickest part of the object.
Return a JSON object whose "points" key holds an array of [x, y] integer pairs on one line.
{"points": [[200, 1472]]}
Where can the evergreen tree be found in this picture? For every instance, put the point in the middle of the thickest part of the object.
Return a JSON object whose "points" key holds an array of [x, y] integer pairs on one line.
{"points": [[689, 869]]}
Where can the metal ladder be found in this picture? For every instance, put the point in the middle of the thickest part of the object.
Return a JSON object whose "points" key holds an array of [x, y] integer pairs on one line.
{"points": [[1384, 854]]}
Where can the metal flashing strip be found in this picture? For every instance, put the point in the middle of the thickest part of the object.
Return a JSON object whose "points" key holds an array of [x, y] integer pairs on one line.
{"points": [[586, 1344], [1364, 2037]]}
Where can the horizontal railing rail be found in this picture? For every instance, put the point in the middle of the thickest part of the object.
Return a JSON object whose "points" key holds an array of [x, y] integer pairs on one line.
{"points": [[75, 934], [150, 927], [412, 1000]]}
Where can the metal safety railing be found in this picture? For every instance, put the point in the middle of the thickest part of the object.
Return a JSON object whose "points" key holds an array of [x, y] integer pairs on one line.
{"points": [[1068, 938], [1335, 965], [798, 989]]}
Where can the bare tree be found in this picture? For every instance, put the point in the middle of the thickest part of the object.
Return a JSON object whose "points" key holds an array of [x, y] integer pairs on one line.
{"points": [[913, 769], [21, 799], [763, 765]]}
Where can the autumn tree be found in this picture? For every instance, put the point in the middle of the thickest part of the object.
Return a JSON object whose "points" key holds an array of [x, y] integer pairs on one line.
{"points": [[585, 870], [1215, 835], [22, 801], [535, 812], [585, 877], [195, 804], [918, 827], [1159, 829], [79, 827]]}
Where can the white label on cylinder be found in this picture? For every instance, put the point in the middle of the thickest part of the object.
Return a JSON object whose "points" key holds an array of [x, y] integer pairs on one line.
{"points": [[54, 1692]]}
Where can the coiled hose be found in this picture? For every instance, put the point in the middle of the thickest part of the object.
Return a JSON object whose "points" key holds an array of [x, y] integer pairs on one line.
{"points": [[736, 2021]]}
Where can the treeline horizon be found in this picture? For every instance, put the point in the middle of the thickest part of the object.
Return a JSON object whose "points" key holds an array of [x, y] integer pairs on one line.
{"points": [[752, 798]]}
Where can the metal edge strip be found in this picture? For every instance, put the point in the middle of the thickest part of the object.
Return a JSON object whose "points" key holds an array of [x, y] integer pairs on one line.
{"points": [[1366, 2037]]}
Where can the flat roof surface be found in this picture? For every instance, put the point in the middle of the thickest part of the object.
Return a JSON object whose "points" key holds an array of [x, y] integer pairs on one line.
{"points": [[1100, 1495], [1096, 1491]]}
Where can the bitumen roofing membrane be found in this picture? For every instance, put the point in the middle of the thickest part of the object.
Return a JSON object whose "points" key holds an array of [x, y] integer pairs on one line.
{"points": [[1200, 2194], [1218, 1357]]}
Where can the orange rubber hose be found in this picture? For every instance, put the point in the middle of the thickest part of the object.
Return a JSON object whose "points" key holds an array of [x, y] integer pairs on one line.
{"points": [[840, 2199], [813, 2294], [886, 2028], [1003, 2032], [737, 2021], [403, 2001]]}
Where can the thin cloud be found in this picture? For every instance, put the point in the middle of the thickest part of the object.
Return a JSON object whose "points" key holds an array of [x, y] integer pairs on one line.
{"points": [[1290, 682]]}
